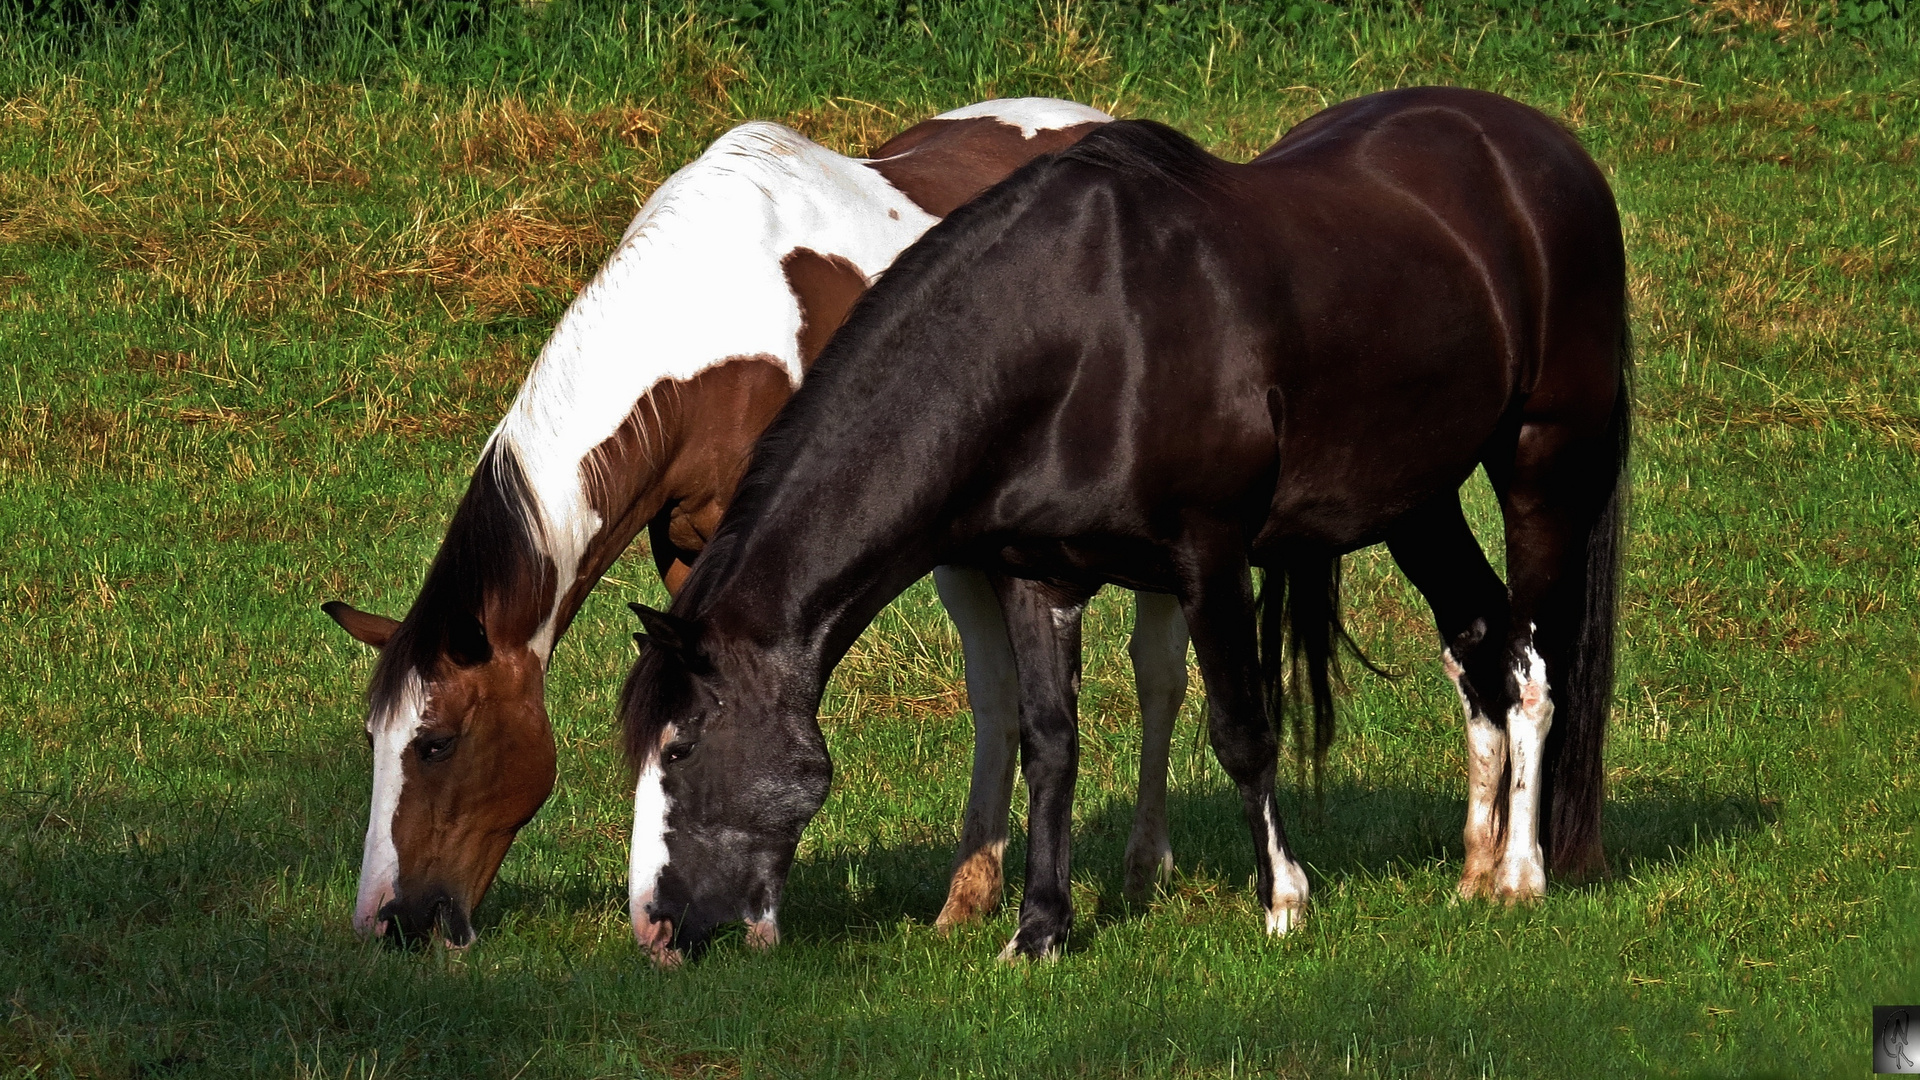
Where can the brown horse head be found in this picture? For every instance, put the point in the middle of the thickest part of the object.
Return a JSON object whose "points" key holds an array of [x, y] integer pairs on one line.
{"points": [[463, 755]]}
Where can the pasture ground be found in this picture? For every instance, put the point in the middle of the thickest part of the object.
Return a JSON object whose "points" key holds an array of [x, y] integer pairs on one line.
{"points": [[256, 324]]}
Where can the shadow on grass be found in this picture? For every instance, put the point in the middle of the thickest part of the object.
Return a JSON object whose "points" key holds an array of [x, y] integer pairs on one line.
{"points": [[1354, 832]]}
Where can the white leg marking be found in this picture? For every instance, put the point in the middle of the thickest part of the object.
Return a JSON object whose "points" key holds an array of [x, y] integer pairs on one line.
{"points": [[393, 732], [993, 692], [1158, 649], [1523, 872], [1287, 907], [648, 856], [1486, 758]]}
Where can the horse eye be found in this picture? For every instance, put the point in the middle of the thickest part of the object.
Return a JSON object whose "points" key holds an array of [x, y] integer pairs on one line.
{"points": [[676, 752], [435, 749]]}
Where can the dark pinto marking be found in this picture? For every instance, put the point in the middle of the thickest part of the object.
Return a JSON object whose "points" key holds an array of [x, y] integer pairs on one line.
{"points": [[920, 161], [694, 436], [826, 286], [1135, 363]]}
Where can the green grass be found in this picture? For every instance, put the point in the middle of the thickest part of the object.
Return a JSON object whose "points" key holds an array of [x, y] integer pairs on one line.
{"points": [[258, 314]]}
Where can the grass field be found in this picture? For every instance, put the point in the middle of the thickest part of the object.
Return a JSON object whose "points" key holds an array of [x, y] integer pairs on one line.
{"points": [[257, 320]]}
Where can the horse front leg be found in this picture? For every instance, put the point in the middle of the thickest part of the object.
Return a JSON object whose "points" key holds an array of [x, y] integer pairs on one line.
{"points": [[1158, 649], [993, 693], [1043, 626], [1220, 616]]}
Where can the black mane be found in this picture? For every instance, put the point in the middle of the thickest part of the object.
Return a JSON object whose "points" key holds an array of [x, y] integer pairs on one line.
{"points": [[489, 548], [1132, 152]]}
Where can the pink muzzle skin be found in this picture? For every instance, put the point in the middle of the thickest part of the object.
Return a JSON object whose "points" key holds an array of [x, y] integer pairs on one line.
{"points": [[655, 935], [366, 913]]}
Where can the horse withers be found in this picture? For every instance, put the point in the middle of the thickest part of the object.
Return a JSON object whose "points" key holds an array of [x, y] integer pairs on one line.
{"points": [[639, 414], [1132, 362]]}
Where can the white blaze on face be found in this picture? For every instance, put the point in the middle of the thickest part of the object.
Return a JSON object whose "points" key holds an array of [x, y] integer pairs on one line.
{"points": [[649, 853], [393, 732]]}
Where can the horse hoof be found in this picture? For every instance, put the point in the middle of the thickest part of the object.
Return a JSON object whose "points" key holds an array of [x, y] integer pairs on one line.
{"points": [[1033, 945], [1285, 917], [1520, 885], [975, 889], [1144, 873], [1474, 885]]}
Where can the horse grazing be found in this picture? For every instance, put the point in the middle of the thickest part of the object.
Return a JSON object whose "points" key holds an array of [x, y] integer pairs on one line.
{"points": [[639, 414], [1134, 363]]}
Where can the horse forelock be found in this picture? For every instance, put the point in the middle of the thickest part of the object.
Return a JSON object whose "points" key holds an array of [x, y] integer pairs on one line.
{"points": [[658, 686], [493, 551]]}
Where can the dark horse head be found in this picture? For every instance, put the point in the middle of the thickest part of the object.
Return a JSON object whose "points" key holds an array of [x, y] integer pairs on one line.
{"points": [[698, 750]]}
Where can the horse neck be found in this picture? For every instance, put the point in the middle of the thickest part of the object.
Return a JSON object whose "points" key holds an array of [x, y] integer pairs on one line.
{"points": [[696, 283], [800, 568]]}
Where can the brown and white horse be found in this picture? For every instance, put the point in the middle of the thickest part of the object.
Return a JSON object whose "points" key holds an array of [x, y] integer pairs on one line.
{"points": [[639, 414]]}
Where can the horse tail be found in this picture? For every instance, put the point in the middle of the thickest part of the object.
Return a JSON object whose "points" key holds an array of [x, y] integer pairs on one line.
{"points": [[1576, 773], [1301, 637]]}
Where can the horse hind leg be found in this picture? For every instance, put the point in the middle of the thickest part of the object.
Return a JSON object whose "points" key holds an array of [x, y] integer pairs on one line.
{"points": [[1562, 502], [993, 692], [1220, 616], [1437, 551], [1158, 649]]}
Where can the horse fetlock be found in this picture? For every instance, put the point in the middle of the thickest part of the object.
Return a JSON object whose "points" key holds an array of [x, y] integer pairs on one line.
{"points": [[975, 889]]}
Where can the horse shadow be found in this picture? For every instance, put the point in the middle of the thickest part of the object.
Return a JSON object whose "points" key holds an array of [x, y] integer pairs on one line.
{"points": [[1351, 832]]}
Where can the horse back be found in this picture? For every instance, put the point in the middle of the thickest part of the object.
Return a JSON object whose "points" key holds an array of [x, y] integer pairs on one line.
{"points": [[1447, 266]]}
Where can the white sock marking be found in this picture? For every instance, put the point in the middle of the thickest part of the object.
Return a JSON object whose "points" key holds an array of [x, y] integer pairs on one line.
{"points": [[1523, 872], [1287, 907]]}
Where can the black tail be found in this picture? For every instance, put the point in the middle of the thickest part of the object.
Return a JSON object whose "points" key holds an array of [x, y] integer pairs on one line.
{"points": [[1301, 636], [1575, 773]]}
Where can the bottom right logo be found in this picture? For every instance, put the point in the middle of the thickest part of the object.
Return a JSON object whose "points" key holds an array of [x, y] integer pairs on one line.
{"points": [[1896, 1039]]}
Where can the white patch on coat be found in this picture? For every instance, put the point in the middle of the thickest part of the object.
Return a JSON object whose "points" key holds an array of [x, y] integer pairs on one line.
{"points": [[393, 734], [696, 279], [1523, 873], [1287, 907], [1030, 115], [648, 856]]}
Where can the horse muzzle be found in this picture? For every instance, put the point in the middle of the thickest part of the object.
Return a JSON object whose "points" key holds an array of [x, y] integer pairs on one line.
{"points": [[414, 923], [656, 936]]}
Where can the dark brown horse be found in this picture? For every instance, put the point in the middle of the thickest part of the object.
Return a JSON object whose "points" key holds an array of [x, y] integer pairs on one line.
{"points": [[1134, 363], [639, 414]]}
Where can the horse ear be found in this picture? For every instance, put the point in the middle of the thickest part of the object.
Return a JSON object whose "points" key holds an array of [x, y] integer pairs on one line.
{"points": [[365, 626], [467, 641], [663, 630]]}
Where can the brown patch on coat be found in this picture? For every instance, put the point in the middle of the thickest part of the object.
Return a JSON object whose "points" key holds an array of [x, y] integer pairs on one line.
{"points": [[943, 164], [673, 464], [826, 286]]}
